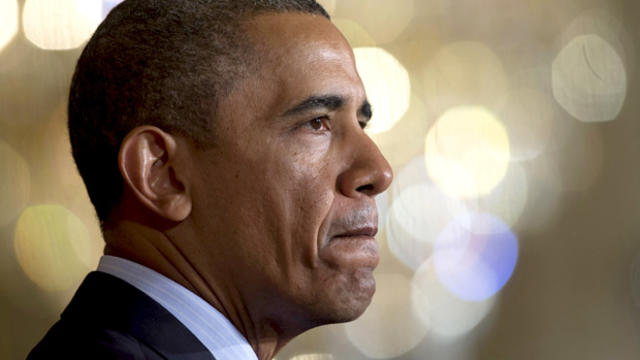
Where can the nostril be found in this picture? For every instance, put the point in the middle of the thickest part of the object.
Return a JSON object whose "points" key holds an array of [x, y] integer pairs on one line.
{"points": [[365, 188]]}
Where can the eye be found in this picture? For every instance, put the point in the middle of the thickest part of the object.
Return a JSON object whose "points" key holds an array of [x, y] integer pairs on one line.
{"points": [[319, 123]]}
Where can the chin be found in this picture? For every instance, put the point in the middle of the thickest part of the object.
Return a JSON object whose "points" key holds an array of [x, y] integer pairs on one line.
{"points": [[350, 297]]}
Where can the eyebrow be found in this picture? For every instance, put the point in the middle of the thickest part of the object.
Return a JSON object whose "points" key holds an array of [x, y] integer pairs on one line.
{"points": [[330, 102]]}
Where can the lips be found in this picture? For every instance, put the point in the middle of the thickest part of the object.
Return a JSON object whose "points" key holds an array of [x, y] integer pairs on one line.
{"points": [[354, 248], [363, 231]]}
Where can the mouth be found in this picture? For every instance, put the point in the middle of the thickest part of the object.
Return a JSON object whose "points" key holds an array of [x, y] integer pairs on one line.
{"points": [[352, 248], [359, 232]]}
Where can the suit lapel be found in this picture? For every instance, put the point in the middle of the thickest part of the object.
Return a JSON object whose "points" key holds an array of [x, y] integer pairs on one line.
{"points": [[104, 300]]}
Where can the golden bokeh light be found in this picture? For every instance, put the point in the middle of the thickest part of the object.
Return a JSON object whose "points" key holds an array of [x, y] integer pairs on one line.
{"points": [[60, 24], [589, 79], [446, 315], [387, 84], [9, 21], [313, 357], [373, 15], [464, 73], [49, 243], [467, 152], [354, 33], [15, 183], [388, 328], [528, 117]]}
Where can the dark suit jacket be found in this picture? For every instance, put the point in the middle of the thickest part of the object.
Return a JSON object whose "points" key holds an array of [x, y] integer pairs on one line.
{"points": [[110, 319]]}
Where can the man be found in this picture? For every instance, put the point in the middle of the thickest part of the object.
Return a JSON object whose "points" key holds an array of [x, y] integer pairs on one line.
{"points": [[222, 144]]}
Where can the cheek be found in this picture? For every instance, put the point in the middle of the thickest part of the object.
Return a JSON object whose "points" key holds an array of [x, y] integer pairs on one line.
{"points": [[276, 201], [302, 178], [304, 199], [298, 198], [275, 211]]}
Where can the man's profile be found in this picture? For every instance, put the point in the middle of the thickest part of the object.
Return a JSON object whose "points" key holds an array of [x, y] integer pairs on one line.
{"points": [[222, 145]]}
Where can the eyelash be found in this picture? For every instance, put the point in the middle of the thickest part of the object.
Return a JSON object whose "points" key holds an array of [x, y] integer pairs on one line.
{"points": [[324, 120]]}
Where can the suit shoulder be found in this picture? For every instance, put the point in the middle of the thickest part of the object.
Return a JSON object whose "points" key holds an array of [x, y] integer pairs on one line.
{"points": [[65, 341]]}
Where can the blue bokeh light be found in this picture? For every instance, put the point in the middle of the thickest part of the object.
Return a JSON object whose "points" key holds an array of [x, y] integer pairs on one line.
{"points": [[475, 256]]}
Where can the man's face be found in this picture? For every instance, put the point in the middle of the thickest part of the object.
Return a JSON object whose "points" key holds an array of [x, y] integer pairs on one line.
{"points": [[284, 201]]}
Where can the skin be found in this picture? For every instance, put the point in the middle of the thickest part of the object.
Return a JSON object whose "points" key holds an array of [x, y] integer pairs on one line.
{"points": [[274, 225]]}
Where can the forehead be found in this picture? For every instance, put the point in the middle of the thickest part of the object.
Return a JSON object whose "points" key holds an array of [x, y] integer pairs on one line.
{"points": [[289, 30], [300, 55]]}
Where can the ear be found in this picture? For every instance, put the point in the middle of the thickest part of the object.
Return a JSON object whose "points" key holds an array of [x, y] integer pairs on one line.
{"points": [[148, 164]]}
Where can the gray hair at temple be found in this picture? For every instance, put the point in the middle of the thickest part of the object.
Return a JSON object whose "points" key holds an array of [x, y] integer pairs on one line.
{"points": [[165, 63]]}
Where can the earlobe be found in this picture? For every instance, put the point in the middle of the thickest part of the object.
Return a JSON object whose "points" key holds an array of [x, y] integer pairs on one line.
{"points": [[148, 164]]}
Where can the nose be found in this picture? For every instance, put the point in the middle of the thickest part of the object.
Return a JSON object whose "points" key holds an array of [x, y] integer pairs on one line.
{"points": [[367, 172]]}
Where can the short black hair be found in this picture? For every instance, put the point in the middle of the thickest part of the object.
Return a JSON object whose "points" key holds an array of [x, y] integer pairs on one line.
{"points": [[166, 63]]}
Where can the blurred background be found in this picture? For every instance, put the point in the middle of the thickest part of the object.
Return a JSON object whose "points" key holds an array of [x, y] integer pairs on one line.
{"points": [[512, 229]]}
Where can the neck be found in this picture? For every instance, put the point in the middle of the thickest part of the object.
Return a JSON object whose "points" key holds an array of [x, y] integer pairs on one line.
{"points": [[159, 251]]}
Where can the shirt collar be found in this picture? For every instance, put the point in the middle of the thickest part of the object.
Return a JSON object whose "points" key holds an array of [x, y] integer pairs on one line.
{"points": [[206, 323]]}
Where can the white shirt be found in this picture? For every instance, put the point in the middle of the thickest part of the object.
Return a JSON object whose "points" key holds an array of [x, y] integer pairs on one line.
{"points": [[213, 330]]}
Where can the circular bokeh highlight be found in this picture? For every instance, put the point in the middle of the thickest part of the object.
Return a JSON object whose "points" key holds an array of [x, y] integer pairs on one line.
{"points": [[49, 244], [60, 24], [475, 256], [388, 328], [446, 315], [387, 84], [589, 79], [9, 21], [467, 152]]}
